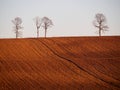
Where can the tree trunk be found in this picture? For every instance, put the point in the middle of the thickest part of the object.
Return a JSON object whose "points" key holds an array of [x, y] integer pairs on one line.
{"points": [[16, 33], [45, 32], [100, 31], [37, 32], [100, 25]]}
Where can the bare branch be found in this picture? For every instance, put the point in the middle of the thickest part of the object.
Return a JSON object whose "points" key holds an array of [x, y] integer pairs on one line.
{"points": [[46, 23], [38, 24], [17, 22], [99, 22]]}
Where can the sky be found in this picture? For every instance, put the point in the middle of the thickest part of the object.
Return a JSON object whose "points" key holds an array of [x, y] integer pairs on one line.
{"points": [[70, 17]]}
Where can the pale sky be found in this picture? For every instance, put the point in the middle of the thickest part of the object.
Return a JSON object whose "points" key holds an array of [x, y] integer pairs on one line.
{"points": [[70, 17]]}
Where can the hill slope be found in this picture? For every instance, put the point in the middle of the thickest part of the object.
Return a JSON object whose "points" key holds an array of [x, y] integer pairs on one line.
{"points": [[60, 63]]}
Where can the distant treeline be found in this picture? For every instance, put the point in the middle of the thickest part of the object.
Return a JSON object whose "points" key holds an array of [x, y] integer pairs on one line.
{"points": [[45, 23]]}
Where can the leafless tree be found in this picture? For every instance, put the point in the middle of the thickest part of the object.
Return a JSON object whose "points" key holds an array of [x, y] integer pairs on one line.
{"points": [[17, 22], [46, 23], [100, 23], [38, 24]]}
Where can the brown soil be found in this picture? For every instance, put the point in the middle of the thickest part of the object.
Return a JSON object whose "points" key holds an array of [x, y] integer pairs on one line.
{"points": [[66, 63]]}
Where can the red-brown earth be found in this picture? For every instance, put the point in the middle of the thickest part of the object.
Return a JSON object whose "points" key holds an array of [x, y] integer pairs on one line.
{"points": [[64, 63]]}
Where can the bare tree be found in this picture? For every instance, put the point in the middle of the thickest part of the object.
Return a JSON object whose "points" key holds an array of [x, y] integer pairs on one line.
{"points": [[46, 23], [17, 22], [38, 24], [100, 23]]}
